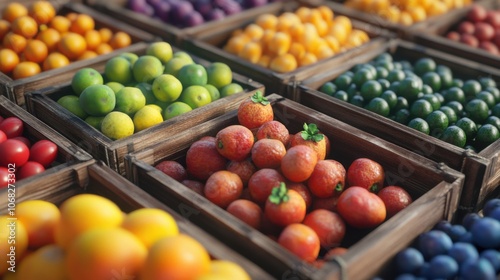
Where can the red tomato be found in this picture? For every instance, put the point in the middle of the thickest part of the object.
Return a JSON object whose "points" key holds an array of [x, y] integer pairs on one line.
{"points": [[395, 199], [361, 208], [30, 168], [1, 119], [285, 206], [4, 177], [301, 240], [43, 152], [23, 139], [247, 211], [13, 152], [329, 226], [366, 173], [3, 136], [12, 126]]}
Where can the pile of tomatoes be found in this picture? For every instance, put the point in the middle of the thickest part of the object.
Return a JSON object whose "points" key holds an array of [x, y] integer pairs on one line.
{"points": [[22, 158], [284, 185]]}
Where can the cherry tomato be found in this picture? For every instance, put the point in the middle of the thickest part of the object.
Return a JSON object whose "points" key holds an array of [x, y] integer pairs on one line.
{"points": [[43, 152], [361, 208], [3, 136], [301, 240], [285, 206], [23, 139], [13, 152], [12, 126], [30, 168], [366, 173], [4, 177]]}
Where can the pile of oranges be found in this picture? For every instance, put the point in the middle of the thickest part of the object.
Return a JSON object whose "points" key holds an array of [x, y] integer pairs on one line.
{"points": [[285, 42], [406, 12], [35, 38]]}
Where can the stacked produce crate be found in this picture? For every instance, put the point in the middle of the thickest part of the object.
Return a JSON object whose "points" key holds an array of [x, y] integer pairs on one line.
{"points": [[267, 139]]}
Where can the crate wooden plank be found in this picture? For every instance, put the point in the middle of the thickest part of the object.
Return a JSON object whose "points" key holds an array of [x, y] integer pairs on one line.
{"points": [[16, 89], [435, 36], [43, 104], [209, 45], [481, 169], [96, 178], [435, 187]]}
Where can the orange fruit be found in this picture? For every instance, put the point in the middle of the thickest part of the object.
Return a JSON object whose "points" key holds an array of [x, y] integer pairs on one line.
{"points": [[13, 11], [307, 58], [280, 43], [8, 60], [42, 11], [267, 153], [40, 218], [45, 263], [72, 45], [252, 51], [36, 51], [283, 63], [106, 34], [71, 16], [93, 39], [25, 26], [176, 257], [298, 163], [234, 142], [87, 55], [25, 69], [55, 60], [267, 21], [81, 24], [4, 28], [60, 23], [120, 40], [14, 42], [50, 37], [103, 48]]}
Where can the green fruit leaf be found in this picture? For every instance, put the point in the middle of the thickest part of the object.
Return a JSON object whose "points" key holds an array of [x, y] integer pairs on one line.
{"points": [[279, 194], [311, 132], [257, 97]]}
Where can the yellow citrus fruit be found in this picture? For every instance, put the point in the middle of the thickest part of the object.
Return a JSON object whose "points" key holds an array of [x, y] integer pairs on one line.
{"points": [[40, 219], [161, 50], [225, 270], [14, 10], [42, 11], [117, 125], [25, 26], [46, 263], [147, 117]]}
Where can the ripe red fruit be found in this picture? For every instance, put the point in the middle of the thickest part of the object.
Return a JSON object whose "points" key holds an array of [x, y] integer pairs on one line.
{"points": [[222, 188], [366, 173], [484, 31], [173, 169], [273, 130], [298, 163], [470, 40], [302, 189], [325, 203], [3, 137], [267, 153], [361, 208], [328, 225], [285, 206], [4, 177], [496, 38], [453, 35], [203, 159], [262, 183], [489, 47], [245, 169], [493, 18], [466, 27], [301, 241], [395, 199], [327, 179], [234, 142], [12, 127], [255, 111], [477, 13], [247, 211], [29, 169], [194, 185], [312, 137]]}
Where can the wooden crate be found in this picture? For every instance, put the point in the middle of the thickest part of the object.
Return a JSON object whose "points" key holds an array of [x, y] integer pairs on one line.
{"points": [[169, 32], [209, 45], [35, 130], [43, 104], [95, 177], [435, 187], [482, 169], [435, 32], [16, 89]]}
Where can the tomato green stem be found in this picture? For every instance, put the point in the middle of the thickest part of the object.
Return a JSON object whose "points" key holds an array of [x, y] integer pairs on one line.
{"points": [[311, 132], [279, 194], [258, 97], [339, 187]]}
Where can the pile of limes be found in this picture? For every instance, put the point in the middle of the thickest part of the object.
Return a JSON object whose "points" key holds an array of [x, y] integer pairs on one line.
{"points": [[425, 96], [137, 92]]}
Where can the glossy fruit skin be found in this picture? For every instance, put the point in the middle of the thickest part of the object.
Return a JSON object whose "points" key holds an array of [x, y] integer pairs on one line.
{"points": [[29, 169], [12, 127], [286, 213], [366, 173], [486, 233], [247, 211], [329, 226], [223, 187], [203, 159], [3, 136], [173, 169], [298, 163], [327, 179], [433, 243], [360, 208], [319, 147], [234, 142], [43, 152], [253, 115], [301, 240], [13, 152], [409, 260], [4, 177], [262, 182], [395, 199]]}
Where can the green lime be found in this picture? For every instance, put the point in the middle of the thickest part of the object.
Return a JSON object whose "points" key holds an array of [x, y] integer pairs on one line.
{"points": [[70, 102], [342, 95], [167, 88], [118, 69], [440, 97], [161, 50], [175, 64], [362, 75], [433, 80], [352, 90], [438, 122], [147, 90], [398, 65], [454, 135], [426, 89], [382, 72], [343, 81], [196, 96], [219, 74], [175, 109], [402, 116], [421, 108], [495, 111], [129, 100], [402, 103], [409, 74], [115, 86], [446, 76], [357, 100], [95, 122], [385, 56], [468, 126], [454, 94], [384, 83], [230, 89], [146, 68], [487, 97], [385, 64], [424, 65], [329, 88], [486, 135], [494, 120], [84, 78], [495, 91], [477, 110], [406, 65], [457, 107], [487, 82], [193, 74], [410, 88], [214, 92], [97, 100], [379, 106], [456, 82], [370, 90], [390, 97], [146, 117], [394, 87], [433, 99], [368, 66], [471, 88], [349, 73], [420, 125], [396, 75], [450, 113]]}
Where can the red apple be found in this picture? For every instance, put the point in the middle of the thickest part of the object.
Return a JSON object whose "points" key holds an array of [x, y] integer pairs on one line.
{"points": [[173, 169], [476, 13], [466, 27], [470, 40], [493, 18], [484, 31], [453, 35], [496, 38], [489, 47]]}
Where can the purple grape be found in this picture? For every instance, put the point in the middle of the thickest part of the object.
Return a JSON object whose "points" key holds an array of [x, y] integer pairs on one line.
{"points": [[162, 10], [254, 3], [179, 10], [203, 6], [140, 6], [215, 14], [192, 19], [153, 2], [231, 8]]}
